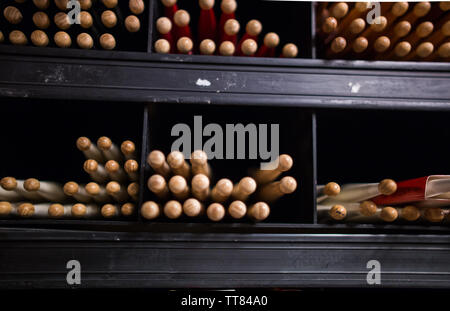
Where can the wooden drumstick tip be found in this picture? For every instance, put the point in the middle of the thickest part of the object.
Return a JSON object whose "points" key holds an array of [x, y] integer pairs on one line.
{"points": [[288, 185], [83, 143], [402, 28], [112, 166], [17, 37], [254, 27], [444, 50], [237, 209], [382, 44], [290, 50], [379, 24], [85, 4], [61, 20], [271, 40], [424, 29], [70, 188], [156, 159], [339, 10], [110, 3], [332, 189], [338, 212], [421, 9], [224, 187], [231, 27], [104, 143], [113, 187], [41, 4], [338, 44], [181, 18], [434, 214], [131, 166], [5, 208], [150, 210], [127, 209], [185, 45], [388, 214], [199, 157], [25, 210], [128, 148], [61, 4], [206, 4], [133, 189], [56, 210], [200, 182], [329, 25], [32, 184], [41, 20], [192, 207], [399, 8], [410, 213], [173, 209], [132, 23], [136, 6], [425, 49], [387, 187], [108, 211], [90, 166], [226, 48], [85, 41], [79, 210], [39, 38], [62, 39], [107, 41], [162, 46], [86, 20], [249, 47], [163, 25], [444, 6], [215, 212], [175, 159], [402, 49], [12, 15], [285, 163], [360, 45], [8, 183], [228, 6], [357, 26], [367, 208], [92, 188], [177, 184], [207, 47], [109, 19], [247, 185], [259, 211], [169, 3]]}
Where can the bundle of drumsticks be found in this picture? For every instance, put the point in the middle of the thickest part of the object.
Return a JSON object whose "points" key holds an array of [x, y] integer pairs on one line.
{"points": [[182, 188], [176, 35], [113, 191], [404, 31], [357, 203]]}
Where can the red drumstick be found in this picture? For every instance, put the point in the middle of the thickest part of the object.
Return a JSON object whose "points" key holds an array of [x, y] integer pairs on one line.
{"points": [[181, 19], [207, 24], [170, 7], [228, 8], [271, 41]]}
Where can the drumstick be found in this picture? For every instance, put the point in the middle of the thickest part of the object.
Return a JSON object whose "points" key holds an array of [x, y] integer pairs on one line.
{"points": [[89, 150], [273, 191], [41, 20], [228, 8], [107, 41], [41, 4], [215, 212], [62, 39], [349, 210], [179, 187], [12, 15], [85, 211], [339, 10], [356, 27], [398, 9], [5, 208], [259, 211], [271, 41], [388, 214], [115, 172], [410, 213], [25, 210], [58, 210], [42, 210], [62, 21], [368, 208], [178, 165], [359, 45], [110, 211], [207, 47], [222, 190], [127, 209], [422, 31], [185, 45], [110, 3], [109, 19], [39, 38], [115, 190], [400, 30], [337, 212], [401, 49], [193, 208], [252, 30], [226, 48], [173, 209], [290, 50], [419, 10], [97, 192], [207, 24], [164, 28], [132, 23], [441, 34], [331, 189], [85, 41], [72, 189], [433, 214], [157, 161], [136, 6], [199, 162], [150, 210], [17, 37], [85, 4], [181, 19], [128, 149], [61, 4], [17, 186], [109, 150], [132, 169], [328, 26], [381, 44], [95, 170], [46, 190], [237, 209], [200, 187], [337, 46], [170, 7], [423, 50], [162, 46], [444, 50], [248, 48], [379, 25], [244, 189], [282, 164], [355, 13], [133, 190]]}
